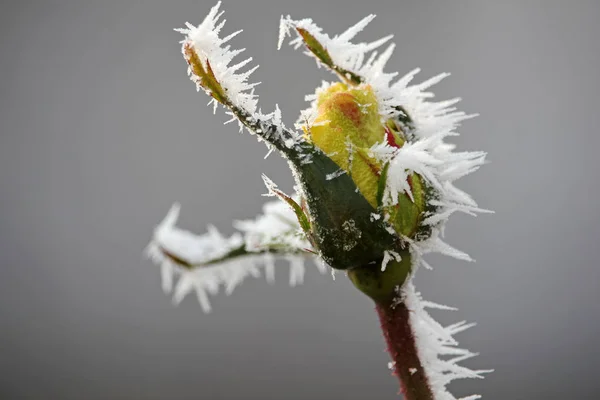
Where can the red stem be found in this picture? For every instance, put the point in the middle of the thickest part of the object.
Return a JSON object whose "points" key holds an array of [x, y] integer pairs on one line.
{"points": [[395, 324]]}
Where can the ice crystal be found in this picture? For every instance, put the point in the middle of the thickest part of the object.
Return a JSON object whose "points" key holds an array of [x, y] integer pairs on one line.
{"points": [[436, 343], [335, 174], [204, 263], [388, 256], [211, 47], [216, 59]]}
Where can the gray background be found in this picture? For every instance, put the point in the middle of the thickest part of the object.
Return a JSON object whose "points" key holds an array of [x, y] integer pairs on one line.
{"points": [[101, 131]]}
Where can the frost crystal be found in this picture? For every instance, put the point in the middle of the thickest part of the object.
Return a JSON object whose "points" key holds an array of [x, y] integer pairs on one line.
{"points": [[436, 343], [204, 263], [388, 255], [235, 92], [206, 41], [335, 174]]}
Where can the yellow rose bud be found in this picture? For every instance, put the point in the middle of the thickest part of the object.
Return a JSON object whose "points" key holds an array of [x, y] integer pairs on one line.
{"points": [[347, 125]]}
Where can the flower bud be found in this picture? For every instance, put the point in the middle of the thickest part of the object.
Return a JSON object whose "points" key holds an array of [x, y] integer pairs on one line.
{"points": [[347, 125], [344, 184]]}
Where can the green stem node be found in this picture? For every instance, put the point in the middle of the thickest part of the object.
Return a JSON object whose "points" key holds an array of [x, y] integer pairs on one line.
{"points": [[381, 285]]}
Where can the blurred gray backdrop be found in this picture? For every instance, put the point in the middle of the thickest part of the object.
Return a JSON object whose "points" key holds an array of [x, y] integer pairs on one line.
{"points": [[101, 131]]}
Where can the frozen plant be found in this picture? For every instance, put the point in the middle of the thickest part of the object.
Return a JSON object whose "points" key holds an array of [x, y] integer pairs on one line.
{"points": [[374, 189]]}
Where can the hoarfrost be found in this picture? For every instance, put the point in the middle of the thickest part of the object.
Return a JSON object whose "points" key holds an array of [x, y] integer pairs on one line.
{"points": [[206, 42], [388, 256], [216, 56], [335, 174], [435, 343], [272, 235], [351, 234]]}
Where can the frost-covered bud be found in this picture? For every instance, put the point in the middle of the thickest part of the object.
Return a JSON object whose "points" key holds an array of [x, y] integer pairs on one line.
{"points": [[375, 187], [347, 125], [350, 222]]}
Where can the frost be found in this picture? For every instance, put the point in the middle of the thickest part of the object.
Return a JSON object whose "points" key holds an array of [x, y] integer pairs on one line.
{"points": [[204, 263], [209, 46], [347, 55], [433, 244], [436, 343], [216, 58], [335, 174], [388, 256], [351, 234], [277, 226]]}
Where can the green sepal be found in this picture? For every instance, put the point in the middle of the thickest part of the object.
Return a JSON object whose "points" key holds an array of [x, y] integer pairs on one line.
{"points": [[339, 215], [407, 214], [302, 218], [315, 47], [208, 81]]}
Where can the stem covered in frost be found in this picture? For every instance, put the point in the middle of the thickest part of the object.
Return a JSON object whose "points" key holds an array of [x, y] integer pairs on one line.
{"points": [[203, 74], [400, 339], [381, 285]]}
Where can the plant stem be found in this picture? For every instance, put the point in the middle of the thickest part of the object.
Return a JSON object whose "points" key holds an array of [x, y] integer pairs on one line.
{"points": [[398, 333], [240, 251], [382, 288]]}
